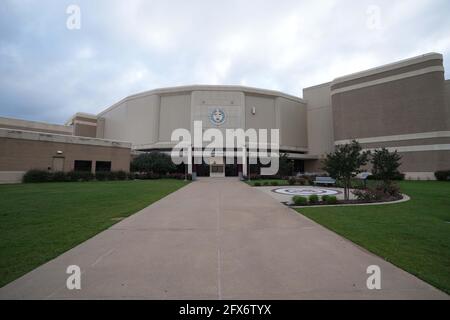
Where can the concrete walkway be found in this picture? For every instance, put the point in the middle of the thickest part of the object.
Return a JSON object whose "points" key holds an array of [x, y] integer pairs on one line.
{"points": [[218, 239]]}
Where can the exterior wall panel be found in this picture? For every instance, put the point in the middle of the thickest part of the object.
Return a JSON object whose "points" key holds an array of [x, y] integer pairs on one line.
{"points": [[23, 155], [409, 105], [265, 115], [293, 128]]}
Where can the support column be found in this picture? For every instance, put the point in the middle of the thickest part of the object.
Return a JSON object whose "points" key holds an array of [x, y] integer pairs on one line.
{"points": [[244, 161], [189, 160]]}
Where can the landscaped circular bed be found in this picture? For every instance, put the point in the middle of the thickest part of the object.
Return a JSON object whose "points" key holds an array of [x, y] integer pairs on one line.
{"points": [[316, 196]]}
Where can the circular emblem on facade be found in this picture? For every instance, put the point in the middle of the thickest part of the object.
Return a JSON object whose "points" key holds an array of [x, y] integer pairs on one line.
{"points": [[305, 191], [217, 117]]}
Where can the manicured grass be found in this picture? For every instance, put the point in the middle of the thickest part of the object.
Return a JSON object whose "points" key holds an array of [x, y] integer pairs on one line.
{"points": [[414, 235], [281, 182], [38, 222]]}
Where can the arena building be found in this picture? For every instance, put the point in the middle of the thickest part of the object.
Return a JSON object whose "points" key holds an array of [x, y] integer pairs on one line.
{"points": [[404, 106]]}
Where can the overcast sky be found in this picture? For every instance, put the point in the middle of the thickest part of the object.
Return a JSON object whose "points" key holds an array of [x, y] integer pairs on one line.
{"points": [[48, 71]]}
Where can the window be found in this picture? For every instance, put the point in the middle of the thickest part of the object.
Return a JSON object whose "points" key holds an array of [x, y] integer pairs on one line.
{"points": [[82, 165], [103, 166]]}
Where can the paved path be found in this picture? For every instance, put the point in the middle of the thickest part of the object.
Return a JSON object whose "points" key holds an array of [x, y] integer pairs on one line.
{"points": [[218, 239]]}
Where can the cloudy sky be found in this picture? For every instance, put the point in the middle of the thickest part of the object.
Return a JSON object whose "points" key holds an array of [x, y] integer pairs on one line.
{"points": [[49, 71]]}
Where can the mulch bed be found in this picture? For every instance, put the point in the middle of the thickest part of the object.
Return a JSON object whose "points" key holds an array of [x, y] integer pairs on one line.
{"points": [[342, 202]]}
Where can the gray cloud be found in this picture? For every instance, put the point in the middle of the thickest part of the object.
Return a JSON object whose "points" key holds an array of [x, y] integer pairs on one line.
{"points": [[48, 72]]}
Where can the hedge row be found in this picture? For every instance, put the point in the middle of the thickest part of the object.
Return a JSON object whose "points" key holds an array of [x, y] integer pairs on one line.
{"points": [[72, 176], [76, 176], [443, 175], [314, 199]]}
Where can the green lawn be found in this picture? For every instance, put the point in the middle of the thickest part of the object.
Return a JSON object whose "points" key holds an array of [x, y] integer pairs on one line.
{"points": [[414, 235], [40, 221]]}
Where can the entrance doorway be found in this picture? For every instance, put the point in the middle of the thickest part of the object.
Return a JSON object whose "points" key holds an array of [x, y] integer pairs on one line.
{"points": [[58, 164], [217, 167]]}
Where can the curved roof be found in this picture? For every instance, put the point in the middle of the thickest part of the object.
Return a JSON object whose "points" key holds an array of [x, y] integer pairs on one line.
{"points": [[191, 88]]}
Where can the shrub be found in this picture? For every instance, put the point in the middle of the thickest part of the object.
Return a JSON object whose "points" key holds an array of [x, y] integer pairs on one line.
{"points": [[313, 199], [153, 162], [36, 176], [299, 200], [257, 184], [378, 193], [175, 175], [59, 176], [120, 175], [102, 175], [274, 183], [331, 200], [291, 181], [443, 175], [325, 198], [302, 181], [80, 176], [152, 176], [266, 183], [133, 176]]}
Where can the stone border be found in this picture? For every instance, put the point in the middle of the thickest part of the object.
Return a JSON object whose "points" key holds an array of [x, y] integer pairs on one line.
{"points": [[404, 199]]}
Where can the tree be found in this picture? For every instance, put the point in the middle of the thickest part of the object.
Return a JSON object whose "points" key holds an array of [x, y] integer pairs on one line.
{"points": [[153, 162], [385, 165], [345, 163], [286, 166]]}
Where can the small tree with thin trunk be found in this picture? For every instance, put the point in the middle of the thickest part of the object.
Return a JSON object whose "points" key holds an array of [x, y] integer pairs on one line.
{"points": [[385, 165], [345, 163]]}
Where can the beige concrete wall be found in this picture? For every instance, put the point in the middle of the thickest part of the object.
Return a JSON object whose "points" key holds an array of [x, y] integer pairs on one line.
{"points": [[9, 123], [148, 119], [175, 113], [319, 119], [292, 117], [447, 99], [134, 120], [85, 130], [265, 116], [313, 166], [231, 102]]}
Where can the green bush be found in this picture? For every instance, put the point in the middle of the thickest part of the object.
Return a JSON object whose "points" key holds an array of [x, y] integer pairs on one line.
{"points": [[257, 184], [59, 176], [80, 176], [120, 175], [331, 200], [325, 198], [153, 162], [132, 176], [36, 176], [274, 183], [291, 181], [443, 175], [313, 199], [299, 200], [266, 183], [102, 175]]}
